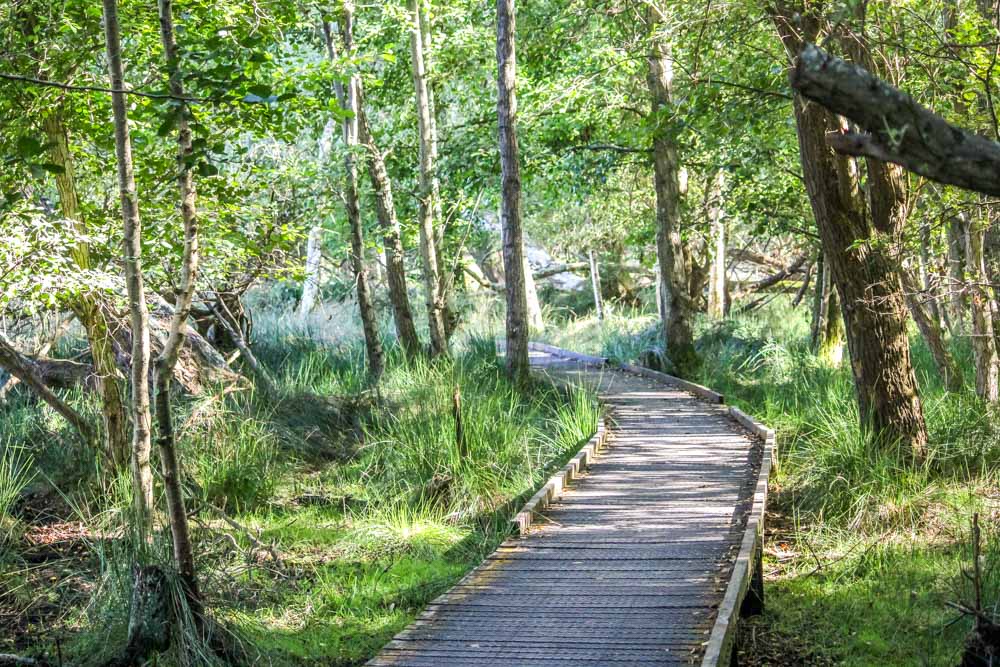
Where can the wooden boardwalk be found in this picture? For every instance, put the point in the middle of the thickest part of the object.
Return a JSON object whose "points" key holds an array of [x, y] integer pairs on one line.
{"points": [[631, 565]]}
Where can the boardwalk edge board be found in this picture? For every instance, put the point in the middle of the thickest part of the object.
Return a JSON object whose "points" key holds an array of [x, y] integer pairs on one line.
{"points": [[721, 647], [553, 488]]}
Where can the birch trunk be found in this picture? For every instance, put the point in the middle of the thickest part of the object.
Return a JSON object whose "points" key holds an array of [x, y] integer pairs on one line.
{"points": [[429, 187], [314, 258], [678, 340], [349, 101], [510, 202], [983, 342], [392, 238], [595, 283], [536, 321], [956, 274], [138, 314], [88, 307], [167, 360], [717, 271]]}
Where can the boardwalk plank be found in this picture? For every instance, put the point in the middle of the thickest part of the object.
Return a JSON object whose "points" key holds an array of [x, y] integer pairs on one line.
{"points": [[628, 566]]}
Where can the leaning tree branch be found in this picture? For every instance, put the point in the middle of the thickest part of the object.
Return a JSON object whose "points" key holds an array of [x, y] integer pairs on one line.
{"points": [[897, 128], [778, 276]]}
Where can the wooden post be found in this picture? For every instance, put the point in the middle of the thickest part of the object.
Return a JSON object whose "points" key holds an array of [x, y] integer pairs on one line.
{"points": [[595, 281], [456, 411]]}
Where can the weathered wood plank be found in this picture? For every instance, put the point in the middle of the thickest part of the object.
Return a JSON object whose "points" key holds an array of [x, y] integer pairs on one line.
{"points": [[635, 555]]}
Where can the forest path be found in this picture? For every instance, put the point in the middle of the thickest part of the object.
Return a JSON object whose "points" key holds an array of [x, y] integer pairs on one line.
{"points": [[630, 565]]}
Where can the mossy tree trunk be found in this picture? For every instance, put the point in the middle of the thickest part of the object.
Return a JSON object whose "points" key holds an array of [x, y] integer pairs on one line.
{"points": [[865, 275], [674, 289]]}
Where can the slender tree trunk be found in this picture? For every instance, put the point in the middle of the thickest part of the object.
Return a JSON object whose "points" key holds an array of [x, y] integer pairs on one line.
{"points": [[983, 342], [429, 187], [510, 202], [928, 278], [956, 274], [392, 239], [932, 333], [314, 258], [447, 277], [872, 303], [88, 307], [678, 338], [349, 101], [138, 313], [595, 283], [717, 273], [183, 296]]}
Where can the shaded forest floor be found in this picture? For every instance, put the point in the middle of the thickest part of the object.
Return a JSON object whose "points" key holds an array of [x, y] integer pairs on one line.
{"points": [[863, 553], [343, 512]]}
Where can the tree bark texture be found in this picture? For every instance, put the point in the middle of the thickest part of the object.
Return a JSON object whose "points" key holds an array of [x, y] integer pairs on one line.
{"points": [[510, 196], [392, 238], [677, 308], [314, 258], [983, 342], [429, 203], [184, 294], [349, 101], [717, 272], [867, 280], [89, 308], [141, 436], [897, 128], [595, 284]]}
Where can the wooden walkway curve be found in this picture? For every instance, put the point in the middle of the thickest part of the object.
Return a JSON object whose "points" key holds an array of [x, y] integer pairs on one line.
{"points": [[645, 560]]}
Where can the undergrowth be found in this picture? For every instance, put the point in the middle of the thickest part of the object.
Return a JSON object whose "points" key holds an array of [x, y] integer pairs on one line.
{"points": [[325, 515]]}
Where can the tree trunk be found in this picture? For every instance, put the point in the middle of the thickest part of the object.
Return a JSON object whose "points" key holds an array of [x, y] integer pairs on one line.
{"points": [[983, 342], [871, 296], [447, 277], [956, 274], [314, 258], [928, 277], [392, 239], [510, 202], [930, 329], [24, 370], [349, 101], [142, 473], [184, 294], [88, 308], [828, 331], [595, 283], [678, 339], [429, 188], [717, 273]]}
